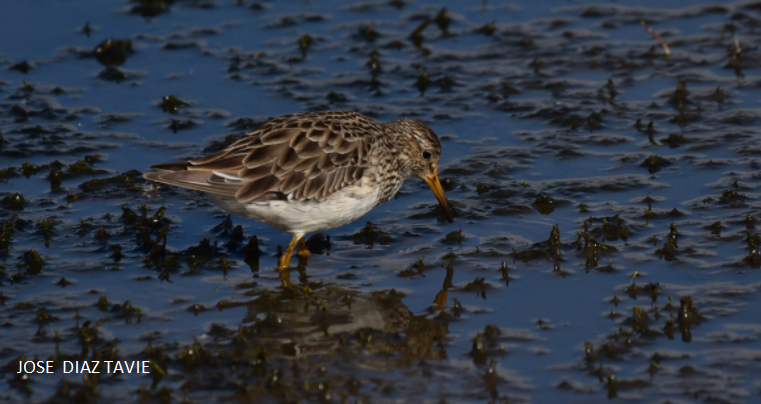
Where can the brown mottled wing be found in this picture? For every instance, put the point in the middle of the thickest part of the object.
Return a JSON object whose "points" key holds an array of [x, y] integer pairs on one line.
{"points": [[300, 156]]}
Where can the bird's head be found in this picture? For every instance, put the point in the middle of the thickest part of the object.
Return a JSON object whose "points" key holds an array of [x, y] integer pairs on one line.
{"points": [[420, 151]]}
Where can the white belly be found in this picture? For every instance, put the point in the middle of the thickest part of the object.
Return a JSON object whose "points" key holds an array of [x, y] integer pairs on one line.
{"points": [[303, 217]]}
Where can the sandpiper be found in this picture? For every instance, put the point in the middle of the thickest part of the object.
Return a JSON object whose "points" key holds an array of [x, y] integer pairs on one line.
{"points": [[312, 171]]}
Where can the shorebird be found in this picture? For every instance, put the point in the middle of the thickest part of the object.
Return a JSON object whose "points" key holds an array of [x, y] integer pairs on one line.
{"points": [[313, 171]]}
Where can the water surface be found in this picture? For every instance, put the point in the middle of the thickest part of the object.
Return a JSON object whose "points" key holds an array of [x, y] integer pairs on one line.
{"points": [[566, 114]]}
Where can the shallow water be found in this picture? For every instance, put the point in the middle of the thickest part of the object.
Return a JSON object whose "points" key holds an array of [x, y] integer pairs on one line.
{"points": [[644, 293]]}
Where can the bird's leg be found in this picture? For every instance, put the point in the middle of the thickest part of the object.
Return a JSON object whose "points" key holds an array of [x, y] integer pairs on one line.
{"points": [[303, 251], [285, 278], [285, 258]]}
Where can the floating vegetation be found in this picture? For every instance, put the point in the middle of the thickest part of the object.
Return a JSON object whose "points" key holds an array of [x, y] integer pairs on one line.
{"points": [[731, 197], [487, 29], [655, 163], [177, 125], [318, 243], [171, 104], [87, 29], [27, 170], [370, 235], [113, 52], [417, 268], [150, 8], [423, 81], [102, 235], [611, 229], [443, 20], [669, 249], [544, 204], [33, 262], [417, 35], [550, 249], [80, 167], [368, 33], [23, 67], [46, 228], [128, 181], [14, 202], [454, 237], [674, 140], [305, 42]]}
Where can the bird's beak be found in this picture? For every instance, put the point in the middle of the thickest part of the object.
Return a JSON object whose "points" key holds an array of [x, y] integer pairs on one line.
{"points": [[433, 181]]}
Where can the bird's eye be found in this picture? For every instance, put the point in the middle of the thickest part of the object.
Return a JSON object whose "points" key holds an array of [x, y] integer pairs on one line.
{"points": [[426, 155]]}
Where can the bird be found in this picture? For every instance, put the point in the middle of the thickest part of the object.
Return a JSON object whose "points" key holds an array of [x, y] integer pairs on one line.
{"points": [[312, 171]]}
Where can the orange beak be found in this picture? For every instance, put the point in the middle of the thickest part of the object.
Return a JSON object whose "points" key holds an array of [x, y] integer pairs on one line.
{"points": [[433, 181]]}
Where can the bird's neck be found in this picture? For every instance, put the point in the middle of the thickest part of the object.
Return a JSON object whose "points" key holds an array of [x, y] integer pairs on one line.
{"points": [[392, 155], [396, 142]]}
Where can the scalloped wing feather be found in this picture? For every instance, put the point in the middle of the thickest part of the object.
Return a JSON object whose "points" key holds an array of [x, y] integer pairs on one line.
{"points": [[300, 156]]}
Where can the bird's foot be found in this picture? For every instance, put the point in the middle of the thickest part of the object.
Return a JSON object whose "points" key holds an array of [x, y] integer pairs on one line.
{"points": [[285, 278]]}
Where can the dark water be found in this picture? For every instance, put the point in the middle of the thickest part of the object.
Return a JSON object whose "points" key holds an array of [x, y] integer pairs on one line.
{"points": [[645, 292]]}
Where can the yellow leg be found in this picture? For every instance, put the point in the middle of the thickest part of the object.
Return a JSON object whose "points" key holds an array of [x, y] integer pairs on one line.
{"points": [[282, 262], [303, 251], [285, 278]]}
